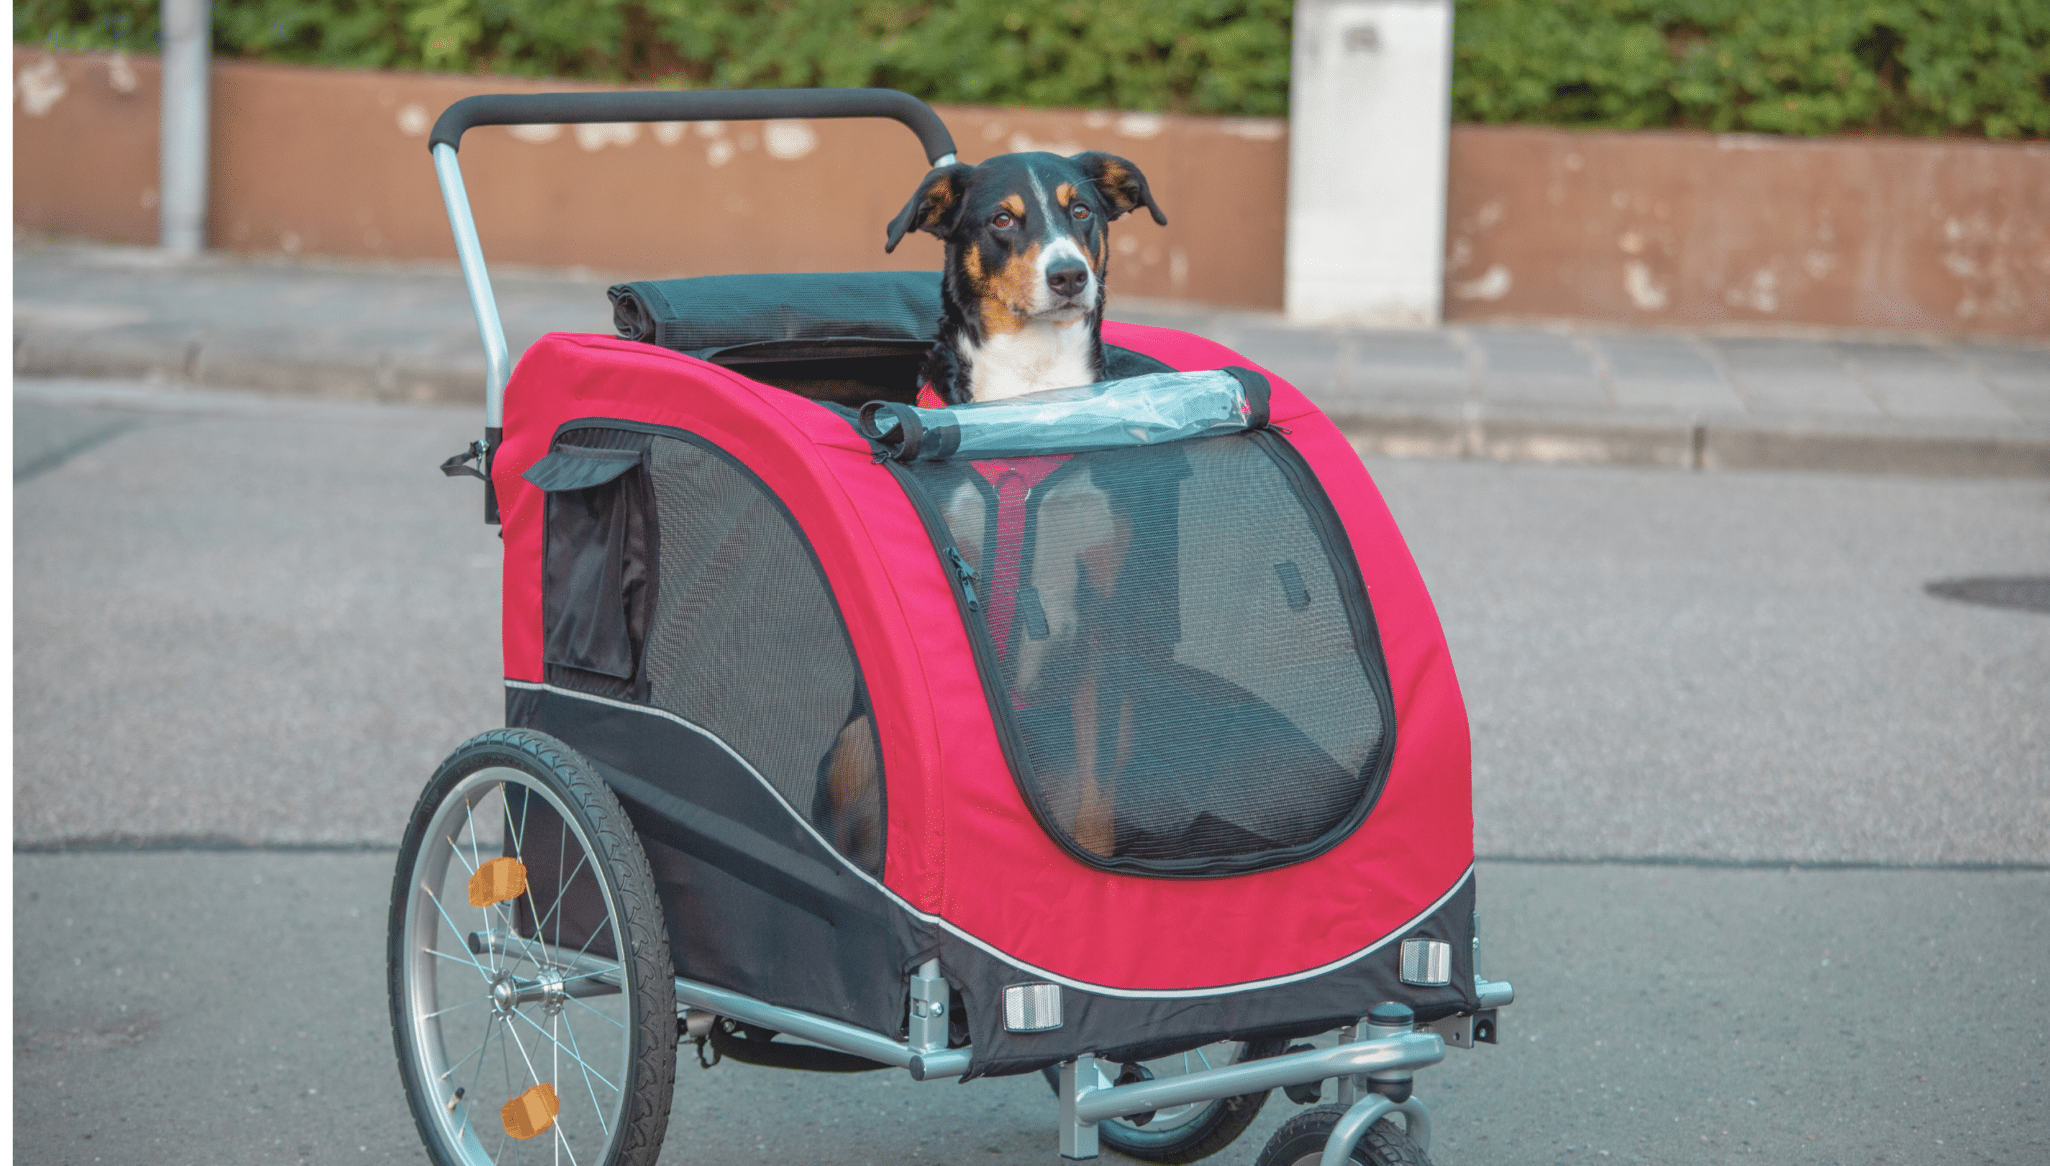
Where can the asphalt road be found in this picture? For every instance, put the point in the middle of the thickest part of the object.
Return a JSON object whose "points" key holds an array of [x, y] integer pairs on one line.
{"points": [[241, 622]]}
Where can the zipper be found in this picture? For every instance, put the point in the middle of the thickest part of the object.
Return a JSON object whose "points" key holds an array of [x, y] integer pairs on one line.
{"points": [[963, 575], [980, 643]]}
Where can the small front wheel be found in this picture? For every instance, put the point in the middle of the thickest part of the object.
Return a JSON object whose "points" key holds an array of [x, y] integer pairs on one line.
{"points": [[1192, 1132], [533, 1000], [1300, 1142]]}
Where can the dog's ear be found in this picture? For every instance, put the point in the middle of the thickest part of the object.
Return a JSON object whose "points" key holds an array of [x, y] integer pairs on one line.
{"points": [[1121, 183], [932, 208]]}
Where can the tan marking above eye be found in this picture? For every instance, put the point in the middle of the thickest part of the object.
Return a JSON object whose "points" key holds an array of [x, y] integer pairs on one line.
{"points": [[1065, 192], [1014, 204]]}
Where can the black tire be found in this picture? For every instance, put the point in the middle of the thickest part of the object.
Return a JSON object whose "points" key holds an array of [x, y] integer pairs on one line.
{"points": [[1300, 1141], [544, 985], [1188, 1133]]}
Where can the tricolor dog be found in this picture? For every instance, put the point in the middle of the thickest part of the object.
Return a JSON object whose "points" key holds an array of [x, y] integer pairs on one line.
{"points": [[1021, 295], [1022, 311]]}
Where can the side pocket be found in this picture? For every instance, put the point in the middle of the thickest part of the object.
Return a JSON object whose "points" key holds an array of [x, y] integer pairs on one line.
{"points": [[598, 574]]}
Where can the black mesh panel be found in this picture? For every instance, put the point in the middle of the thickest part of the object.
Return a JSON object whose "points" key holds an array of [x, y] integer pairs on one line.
{"points": [[1183, 660], [746, 642]]}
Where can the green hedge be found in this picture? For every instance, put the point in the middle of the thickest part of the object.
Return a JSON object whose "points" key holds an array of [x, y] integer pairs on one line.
{"points": [[1807, 67], [1196, 56], [1812, 67]]}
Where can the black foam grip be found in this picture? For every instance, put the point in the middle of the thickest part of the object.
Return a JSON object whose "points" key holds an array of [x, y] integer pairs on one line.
{"points": [[499, 109]]}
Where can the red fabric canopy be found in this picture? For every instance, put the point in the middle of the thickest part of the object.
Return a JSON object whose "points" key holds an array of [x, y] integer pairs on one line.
{"points": [[963, 847]]}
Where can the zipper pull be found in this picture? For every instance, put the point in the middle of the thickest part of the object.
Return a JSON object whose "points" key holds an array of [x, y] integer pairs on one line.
{"points": [[966, 574]]}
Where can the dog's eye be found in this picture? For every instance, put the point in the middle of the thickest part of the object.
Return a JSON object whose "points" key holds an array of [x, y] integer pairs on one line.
{"points": [[1080, 210], [1003, 219]]}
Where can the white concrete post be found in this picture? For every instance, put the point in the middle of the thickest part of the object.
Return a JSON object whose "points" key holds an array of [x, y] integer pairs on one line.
{"points": [[1369, 119], [188, 45]]}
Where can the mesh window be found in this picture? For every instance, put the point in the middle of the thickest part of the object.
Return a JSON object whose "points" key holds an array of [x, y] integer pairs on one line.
{"points": [[1192, 678], [746, 641]]}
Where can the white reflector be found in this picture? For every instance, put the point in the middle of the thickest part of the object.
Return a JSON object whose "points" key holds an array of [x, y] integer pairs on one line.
{"points": [[1032, 1007], [1426, 963]]}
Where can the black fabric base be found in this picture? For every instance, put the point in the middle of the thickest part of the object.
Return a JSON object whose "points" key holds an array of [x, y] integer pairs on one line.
{"points": [[754, 901], [1127, 1029]]}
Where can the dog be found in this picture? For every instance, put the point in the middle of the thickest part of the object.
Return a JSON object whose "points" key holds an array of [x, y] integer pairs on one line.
{"points": [[1027, 246], [1021, 293]]}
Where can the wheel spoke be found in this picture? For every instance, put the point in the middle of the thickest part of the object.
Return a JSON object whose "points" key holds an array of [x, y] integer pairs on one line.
{"points": [[557, 905], [477, 1074], [586, 1071], [459, 960], [522, 937], [594, 1012], [555, 1074], [481, 1046], [464, 1004], [561, 884], [528, 947], [558, 1044]]}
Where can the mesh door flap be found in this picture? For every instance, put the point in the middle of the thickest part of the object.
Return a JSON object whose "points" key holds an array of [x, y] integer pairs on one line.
{"points": [[1175, 650]]}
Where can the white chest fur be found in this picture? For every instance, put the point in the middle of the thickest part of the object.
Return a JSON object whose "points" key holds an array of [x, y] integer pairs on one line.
{"points": [[1041, 355]]}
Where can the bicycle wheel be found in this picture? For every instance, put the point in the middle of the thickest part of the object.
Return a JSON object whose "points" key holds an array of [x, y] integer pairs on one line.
{"points": [[533, 999]]}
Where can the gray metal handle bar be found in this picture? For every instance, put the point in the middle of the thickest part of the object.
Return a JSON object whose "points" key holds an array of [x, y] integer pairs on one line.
{"points": [[702, 105], [657, 105]]}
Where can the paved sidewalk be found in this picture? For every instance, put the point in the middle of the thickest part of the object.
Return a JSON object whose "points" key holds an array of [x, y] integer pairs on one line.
{"points": [[1586, 393]]}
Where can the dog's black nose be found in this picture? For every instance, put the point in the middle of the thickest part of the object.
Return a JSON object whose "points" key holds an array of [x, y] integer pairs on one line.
{"points": [[1068, 279]]}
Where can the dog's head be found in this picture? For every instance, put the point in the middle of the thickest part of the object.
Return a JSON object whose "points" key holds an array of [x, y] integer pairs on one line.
{"points": [[1026, 233]]}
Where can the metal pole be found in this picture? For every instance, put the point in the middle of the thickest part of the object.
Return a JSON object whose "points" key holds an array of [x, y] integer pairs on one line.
{"points": [[188, 44]]}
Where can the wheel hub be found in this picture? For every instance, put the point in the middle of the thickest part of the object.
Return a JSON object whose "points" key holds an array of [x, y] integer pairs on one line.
{"points": [[508, 992]]}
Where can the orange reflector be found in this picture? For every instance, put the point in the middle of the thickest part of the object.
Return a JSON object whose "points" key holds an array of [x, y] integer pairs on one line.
{"points": [[531, 1112], [496, 881]]}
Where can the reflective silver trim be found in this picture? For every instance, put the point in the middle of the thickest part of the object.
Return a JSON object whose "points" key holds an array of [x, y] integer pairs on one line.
{"points": [[983, 945], [1427, 963], [1032, 1007], [470, 254]]}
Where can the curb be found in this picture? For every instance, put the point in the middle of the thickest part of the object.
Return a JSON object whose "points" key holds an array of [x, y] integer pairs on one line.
{"points": [[1476, 434], [1700, 443], [385, 378]]}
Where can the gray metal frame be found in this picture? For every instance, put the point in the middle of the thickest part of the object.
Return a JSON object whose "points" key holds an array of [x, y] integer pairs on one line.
{"points": [[1087, 1095], [470, 255]]}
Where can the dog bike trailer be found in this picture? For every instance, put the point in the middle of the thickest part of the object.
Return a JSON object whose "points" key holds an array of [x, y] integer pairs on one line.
{"points": [[1110, 733]]}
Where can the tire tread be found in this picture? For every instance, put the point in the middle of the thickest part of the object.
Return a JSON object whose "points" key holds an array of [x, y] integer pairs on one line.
{"points": [[1384, 1143], [612, 833]]}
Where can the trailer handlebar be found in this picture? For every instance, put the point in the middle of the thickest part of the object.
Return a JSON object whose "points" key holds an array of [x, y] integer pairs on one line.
{"points": [[637, 106], [692, 105]]}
